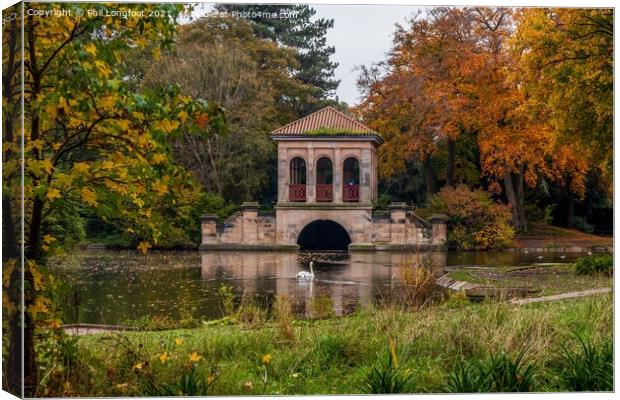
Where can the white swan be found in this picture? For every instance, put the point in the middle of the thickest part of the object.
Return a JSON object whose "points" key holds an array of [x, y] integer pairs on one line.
{"points": [[305, 275]]}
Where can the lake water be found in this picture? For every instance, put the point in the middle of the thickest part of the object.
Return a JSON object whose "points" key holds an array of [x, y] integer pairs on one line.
{"points": [[116, 286]]}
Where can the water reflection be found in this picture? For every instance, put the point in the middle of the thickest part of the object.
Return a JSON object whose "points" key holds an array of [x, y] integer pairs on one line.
{"points": [[349, 280], [116, 286]]}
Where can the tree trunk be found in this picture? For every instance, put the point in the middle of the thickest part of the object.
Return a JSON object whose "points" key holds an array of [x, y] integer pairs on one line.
{"points": [[10, 250], [521, 198], [571, 209], [451, 161], [429, 177], [10, 244], [511, 196]]}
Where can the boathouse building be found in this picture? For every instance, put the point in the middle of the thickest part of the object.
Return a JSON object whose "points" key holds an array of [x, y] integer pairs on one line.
{"points": [[327, 192]]}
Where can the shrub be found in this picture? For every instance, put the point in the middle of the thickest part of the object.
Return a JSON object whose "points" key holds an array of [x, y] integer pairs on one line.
{"points": [[65, 223], [498, 374], [475, 220], [538, 214], [189, 384], [590, 368], [595, 264], [466, 378], [283, 316], [322, 306], [388, 377], [580, 224], [250, 314], [419, 283]]}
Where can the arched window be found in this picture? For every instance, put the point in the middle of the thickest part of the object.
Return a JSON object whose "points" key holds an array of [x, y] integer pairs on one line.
{"points": [[324, 180], [351, 180], [297, 184]]}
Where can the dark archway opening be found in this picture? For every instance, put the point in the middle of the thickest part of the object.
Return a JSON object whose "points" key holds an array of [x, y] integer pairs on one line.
{"points": [[323, 235]]}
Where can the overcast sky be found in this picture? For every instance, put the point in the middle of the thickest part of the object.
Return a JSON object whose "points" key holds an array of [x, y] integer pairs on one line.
{"points": [[362, 34]]}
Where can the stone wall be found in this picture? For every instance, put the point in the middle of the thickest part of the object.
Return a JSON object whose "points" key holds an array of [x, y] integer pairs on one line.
{"points": [[250, 229]]}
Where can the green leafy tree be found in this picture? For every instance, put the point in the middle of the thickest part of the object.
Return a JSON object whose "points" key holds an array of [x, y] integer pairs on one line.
{"points": [[87, 139], [220, 59]]}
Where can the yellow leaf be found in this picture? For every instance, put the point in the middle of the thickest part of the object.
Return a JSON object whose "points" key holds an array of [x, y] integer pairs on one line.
{"points": [[37, 144], [178, 342], [144, 247], [91, 49], [81, 167], [47, 165], [163, 357], [108, 103], [166, 125], [160, 188], [123, 124], [64, 179], [139, 365], [49, 239], [50, 110], [53, 194], [159, 158], [183, 115], [89, 196], [102, 68], [56, 323], [39, 306]]}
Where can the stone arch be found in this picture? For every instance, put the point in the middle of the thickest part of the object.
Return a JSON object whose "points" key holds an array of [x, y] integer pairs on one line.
{"points": [[323, 234]]}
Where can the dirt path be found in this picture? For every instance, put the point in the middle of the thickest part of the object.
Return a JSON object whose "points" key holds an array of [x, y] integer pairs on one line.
{"points": [[562, 296]]}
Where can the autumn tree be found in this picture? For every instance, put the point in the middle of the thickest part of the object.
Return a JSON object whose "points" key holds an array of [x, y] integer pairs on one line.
{"points": [[428, 88], [458, 71], [565, 61], [88, 139], [220, 59]]}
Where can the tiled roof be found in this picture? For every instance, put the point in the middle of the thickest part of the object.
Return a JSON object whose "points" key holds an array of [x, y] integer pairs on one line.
{"points": [[325, 122]]}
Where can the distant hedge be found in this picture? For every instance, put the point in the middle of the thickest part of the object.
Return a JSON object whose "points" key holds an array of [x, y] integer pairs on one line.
{"points": [[595, 264]]}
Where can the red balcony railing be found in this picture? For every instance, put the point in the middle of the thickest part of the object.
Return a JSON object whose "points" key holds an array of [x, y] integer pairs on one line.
{"points": [[324, 193], [297, 193], [351, 193]]}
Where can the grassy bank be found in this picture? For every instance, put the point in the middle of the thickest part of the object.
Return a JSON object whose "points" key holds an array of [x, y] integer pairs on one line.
{"points": [[538, 279], [337, 355], [549, 237]]}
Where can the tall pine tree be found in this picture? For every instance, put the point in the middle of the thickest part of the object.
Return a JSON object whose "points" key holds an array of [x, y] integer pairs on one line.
{"points": [[296, 30]]}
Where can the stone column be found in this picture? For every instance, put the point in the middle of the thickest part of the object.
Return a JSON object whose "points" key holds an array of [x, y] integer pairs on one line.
{"points": [[365, 173], [208, 228], [398, 220], [283, 175], [337, 176], [311, 178], [440, 229], [375, 180], [249, 223]]}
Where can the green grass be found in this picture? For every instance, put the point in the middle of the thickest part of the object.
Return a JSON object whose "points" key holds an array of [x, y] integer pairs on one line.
{"points": [[540, 280], [339, 355]]}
